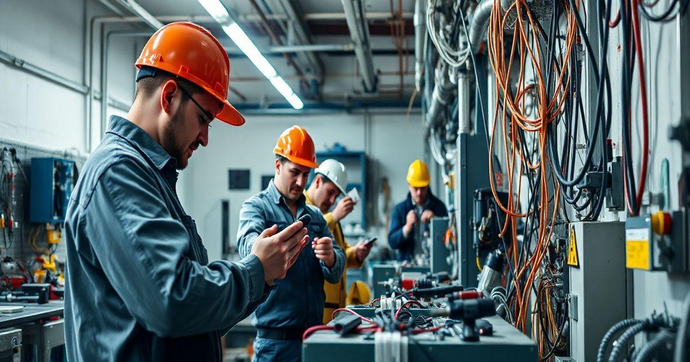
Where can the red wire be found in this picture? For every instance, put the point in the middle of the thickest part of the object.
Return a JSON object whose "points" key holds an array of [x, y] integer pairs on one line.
{"points": [[614, 23], [407, 304], [643, 95], [313, 329], [353, 313]]}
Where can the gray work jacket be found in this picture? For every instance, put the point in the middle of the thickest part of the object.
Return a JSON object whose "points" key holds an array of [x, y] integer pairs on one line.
{"points": [[139, 286]]}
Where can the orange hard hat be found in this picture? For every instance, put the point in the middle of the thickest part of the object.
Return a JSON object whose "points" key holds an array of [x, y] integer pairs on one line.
{"points": [[296, 145], [191, 52]]}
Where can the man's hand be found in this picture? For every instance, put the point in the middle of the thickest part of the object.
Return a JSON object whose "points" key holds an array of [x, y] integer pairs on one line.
{"points": [[279, 250], [323, 249], [427, 215], [362, 251], [343, 208], [411, 220]]}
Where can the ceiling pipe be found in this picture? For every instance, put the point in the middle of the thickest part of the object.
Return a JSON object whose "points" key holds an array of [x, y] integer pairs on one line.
{"points": [[359, 31], [139, 11], [276, 38], [419, 41], [301, 34], [298, 48]]}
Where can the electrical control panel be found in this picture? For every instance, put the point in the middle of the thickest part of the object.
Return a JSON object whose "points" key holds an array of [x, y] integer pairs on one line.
{"points": [[656, 242], [52, 180]]}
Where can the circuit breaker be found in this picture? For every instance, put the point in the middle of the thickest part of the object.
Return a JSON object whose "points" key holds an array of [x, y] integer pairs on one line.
{"points": [[52, 180]]}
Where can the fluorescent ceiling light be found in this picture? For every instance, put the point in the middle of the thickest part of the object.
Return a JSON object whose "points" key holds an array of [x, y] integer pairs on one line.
{"points": [[220, 14]]}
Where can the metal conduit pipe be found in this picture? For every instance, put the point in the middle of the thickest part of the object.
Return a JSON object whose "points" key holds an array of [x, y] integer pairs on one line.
{"points": [[359, 31], [479, 23], [464, 92], [443, 89], [104, 68], [419, 41]]}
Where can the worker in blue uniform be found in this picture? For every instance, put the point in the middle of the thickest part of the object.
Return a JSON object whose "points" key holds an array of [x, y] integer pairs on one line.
{"points": [[411, 217], [297, 302], [139, 286]]}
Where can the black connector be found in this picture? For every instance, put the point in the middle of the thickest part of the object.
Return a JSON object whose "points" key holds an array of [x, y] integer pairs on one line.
{"points": [[346, 324], [437, 292]]}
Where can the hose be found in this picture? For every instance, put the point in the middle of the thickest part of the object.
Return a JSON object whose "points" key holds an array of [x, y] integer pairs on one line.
{"points": [[646, 352], [624, 338], [681, 353], [624, 324]]}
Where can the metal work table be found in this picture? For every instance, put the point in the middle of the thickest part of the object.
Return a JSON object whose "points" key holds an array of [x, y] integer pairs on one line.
{"points": [[507, 344], [32, 312], [46, 335]]}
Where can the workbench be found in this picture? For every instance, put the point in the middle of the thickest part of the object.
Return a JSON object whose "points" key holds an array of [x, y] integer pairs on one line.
{"points": [[506, 344], [36, 329]]}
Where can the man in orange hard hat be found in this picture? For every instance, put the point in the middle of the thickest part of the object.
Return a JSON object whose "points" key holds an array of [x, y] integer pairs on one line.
{"points": [[297, 301], [139, 284], [411, 217]]}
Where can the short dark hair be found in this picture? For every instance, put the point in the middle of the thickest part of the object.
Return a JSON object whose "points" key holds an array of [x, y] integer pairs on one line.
{"points": [[147, 86], [323, 178], [282, 159]]}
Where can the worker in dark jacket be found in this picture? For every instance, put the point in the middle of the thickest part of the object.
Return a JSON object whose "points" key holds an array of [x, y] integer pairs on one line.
{"points": [[411, 217]]}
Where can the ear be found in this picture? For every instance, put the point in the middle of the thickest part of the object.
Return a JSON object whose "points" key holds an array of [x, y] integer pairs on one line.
{"points": [[318, 181], [168, 91], [277, 166]]}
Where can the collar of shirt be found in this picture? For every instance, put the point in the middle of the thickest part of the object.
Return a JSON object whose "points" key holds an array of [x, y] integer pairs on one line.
{"points": [[277, 197], [141, 140]]}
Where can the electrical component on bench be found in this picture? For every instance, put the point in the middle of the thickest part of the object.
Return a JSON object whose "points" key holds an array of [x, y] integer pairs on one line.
{"points": [[346, 324], [464, 295], [491, 272], [469, 311], [39, 293], [436, 292]]}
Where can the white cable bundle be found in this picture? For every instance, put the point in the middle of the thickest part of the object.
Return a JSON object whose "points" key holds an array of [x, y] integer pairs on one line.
{"points": [[454, 58], [390, 347]]}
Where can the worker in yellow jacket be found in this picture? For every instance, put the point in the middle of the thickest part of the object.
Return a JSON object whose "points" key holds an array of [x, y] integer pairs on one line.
{"points": [[328, 184]]}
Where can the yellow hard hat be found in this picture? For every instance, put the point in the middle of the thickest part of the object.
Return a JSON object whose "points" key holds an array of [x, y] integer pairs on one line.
{"points": [[359, 294], [418, 174]]}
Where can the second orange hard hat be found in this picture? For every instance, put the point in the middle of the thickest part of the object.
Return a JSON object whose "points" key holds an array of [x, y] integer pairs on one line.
{"points": [[296, 145]]}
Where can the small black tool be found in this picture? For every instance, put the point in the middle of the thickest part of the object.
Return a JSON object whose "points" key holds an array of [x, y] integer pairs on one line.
{"points": [[369, 242], [305, 219]]}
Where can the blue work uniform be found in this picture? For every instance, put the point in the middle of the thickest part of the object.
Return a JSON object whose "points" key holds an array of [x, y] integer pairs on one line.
{"points": [[139, 286], [396, 239], [298, 300]]}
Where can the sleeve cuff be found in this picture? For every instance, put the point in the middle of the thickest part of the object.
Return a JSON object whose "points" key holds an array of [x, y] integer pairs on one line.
{"points": [[256, 276]]}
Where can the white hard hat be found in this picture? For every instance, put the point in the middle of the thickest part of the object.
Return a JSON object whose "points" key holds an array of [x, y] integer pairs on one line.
{"points": [[334, 171]]}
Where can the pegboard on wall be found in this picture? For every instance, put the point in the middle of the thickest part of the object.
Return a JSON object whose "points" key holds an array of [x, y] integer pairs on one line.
{"points": [[18, 246]]}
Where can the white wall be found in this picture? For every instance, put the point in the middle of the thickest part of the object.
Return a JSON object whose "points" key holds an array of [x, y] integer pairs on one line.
{"points": [[49, 35], [390, 142], [662, 66]]}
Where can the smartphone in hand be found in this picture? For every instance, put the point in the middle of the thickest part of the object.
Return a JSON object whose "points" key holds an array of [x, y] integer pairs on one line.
{"points": [[368, 243]]}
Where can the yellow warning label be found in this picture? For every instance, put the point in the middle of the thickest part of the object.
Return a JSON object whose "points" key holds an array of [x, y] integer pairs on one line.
{"points": [[637, 254], [573, 260], [637, 249]]}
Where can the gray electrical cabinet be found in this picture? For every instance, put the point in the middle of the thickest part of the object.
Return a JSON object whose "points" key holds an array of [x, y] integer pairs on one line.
{"points": [[598, 284]]}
